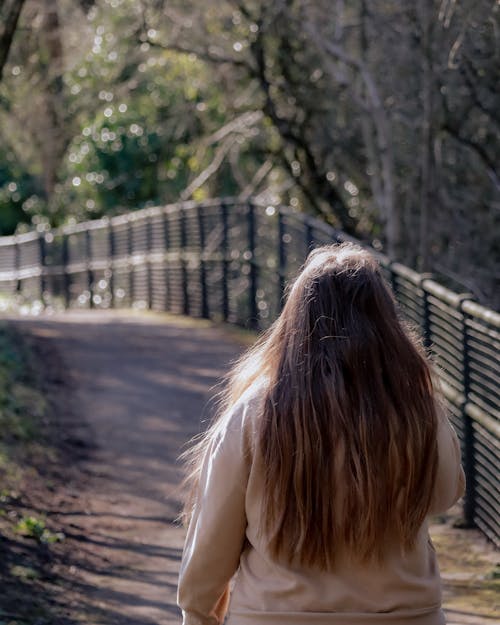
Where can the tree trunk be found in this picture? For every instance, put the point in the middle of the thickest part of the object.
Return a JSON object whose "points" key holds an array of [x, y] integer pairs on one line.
{"points": [[426, 149], [53, 140]]}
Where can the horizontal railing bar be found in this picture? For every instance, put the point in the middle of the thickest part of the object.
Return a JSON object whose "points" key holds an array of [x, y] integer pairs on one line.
{"points": [[489, 532], [484, 376], [409, 274], [442, 293], [470, 409], [483, 351], [485, 457], [444, 310], [485, 478], [483, 405], [485, 504], [480, 312], [18, 239], [448, 366], [440, 336], [453, 383]]}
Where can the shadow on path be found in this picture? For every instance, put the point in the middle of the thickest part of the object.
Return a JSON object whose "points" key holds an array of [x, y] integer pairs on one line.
{"points": [[139, 389]]}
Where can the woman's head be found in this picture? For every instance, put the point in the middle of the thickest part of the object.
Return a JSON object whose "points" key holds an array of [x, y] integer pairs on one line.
{"points": [[347, 434], [339, 311]]}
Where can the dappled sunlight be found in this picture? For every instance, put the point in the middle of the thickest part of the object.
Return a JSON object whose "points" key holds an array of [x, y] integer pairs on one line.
{"points": [[469, 570], [166, 166], [141, 387], [142, 390]]}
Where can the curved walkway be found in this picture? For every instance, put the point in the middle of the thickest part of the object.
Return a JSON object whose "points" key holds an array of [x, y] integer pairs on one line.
{"points": [[139, 386], [139, 389]]}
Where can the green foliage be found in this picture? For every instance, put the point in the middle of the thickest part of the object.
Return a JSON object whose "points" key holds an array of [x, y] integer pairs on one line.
{"points": [[32, 527], [23, 408], [24, 573], [21, 405], [16, 189], [383, 121], [494, 574], [132, 119], [24, 448]]}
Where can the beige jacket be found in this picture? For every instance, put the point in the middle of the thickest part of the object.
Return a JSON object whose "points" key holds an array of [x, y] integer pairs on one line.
{"points": [[227, 563]]}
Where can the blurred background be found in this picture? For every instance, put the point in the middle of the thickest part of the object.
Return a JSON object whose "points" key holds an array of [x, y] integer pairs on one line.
{"points": [[380, 117], [219, 141]]}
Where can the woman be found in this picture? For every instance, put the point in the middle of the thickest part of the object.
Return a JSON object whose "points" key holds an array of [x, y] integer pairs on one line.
{"points": [[330, 451]]}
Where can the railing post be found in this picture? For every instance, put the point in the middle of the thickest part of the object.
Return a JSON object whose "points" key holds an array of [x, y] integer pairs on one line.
{"points": [[17, 265], [225, 261], [111, 257], [426, 320], [184, 276], [166, 238], [90, 276], [392, 279], [468, 429], [43, 262], [149, 265], [66, 275], [281, 259], [203, 271], [130, 264], [254, 320]]}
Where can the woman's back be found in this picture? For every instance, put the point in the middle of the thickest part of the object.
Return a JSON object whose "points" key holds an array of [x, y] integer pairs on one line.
{"points": [[317, 477], [404, 588]]}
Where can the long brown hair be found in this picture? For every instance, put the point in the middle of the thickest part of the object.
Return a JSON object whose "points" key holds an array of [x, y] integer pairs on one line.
{"points": [[347, 430]]}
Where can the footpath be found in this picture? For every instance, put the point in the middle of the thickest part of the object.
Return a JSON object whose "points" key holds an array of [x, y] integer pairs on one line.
{"points": [[139, 389]]}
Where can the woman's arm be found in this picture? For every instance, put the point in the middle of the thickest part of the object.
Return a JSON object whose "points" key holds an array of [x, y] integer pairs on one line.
{"points": [[450, 477], [216, 531]]}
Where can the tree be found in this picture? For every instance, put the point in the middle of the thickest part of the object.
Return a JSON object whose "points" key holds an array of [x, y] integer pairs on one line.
{"points": [[380, 117]]}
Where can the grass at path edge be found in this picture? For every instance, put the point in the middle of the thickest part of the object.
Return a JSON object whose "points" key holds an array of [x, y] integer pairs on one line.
{"points": [[26, 454]]}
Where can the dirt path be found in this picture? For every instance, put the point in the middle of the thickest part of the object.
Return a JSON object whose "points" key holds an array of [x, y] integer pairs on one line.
{"points": [[139, 389], [139, 384]]}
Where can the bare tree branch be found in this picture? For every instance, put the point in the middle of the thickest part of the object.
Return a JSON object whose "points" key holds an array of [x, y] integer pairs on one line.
{"points": [[206, 55], [491, 167], [257, 179], [10, 10], [239, 124], [381, 123], [209, 171]]}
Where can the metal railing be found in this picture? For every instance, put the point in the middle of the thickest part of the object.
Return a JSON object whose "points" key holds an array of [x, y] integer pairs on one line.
{"points": [[228, 260]]}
